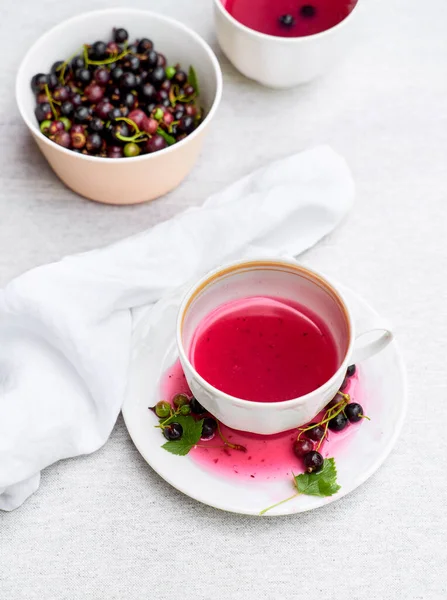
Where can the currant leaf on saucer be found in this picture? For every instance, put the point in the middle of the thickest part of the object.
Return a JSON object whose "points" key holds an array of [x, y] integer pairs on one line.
{"points": [[179, 447], [192, 432], [324, 483]]}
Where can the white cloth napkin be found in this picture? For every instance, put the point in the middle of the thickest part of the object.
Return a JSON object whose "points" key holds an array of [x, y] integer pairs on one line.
{"points": [[65, 328]]}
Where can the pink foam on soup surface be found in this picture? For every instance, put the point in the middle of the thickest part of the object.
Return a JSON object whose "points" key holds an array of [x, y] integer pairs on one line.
{"points": [[267, 457], [310, 16], [264, 349]]}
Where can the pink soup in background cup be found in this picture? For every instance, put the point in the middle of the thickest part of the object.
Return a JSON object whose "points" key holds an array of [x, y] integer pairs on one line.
{"points": [[287, 42]]}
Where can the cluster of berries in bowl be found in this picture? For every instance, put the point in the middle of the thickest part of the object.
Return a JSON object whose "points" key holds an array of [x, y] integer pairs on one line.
{"points": [[117, 99], [336, 416]]}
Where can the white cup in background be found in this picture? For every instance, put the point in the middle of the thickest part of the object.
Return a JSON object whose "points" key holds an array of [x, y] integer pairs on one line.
{"points": [[282, 62]]}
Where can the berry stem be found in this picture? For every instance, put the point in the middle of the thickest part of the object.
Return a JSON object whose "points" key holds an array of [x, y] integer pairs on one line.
{"points": [[173, 94], [143, 137], [323, 439], [279, 503], [212, 447], [172, 125], [106, 61], [174, 413], [64, 66], [50, 100], [130, 122], [85, 53], [187, 98], [227, 443], [328, 415]]}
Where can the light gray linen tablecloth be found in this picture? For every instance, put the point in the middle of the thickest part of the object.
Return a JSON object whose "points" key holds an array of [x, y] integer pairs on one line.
{"points": [[106, 527]]}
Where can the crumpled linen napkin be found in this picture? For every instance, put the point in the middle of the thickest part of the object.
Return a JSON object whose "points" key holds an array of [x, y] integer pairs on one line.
{"points": [[65, 328]]}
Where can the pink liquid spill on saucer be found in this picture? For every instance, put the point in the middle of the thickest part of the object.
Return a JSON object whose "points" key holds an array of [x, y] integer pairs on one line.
{"points": [[264, 349], [267, 457], [310, 16]]}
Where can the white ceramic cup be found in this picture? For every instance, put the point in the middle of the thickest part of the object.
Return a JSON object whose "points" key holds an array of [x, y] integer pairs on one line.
{"points": [[282, 279], [281, 62]]}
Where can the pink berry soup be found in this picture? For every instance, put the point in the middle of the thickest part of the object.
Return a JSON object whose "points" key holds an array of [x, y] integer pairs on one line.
{"points": [[289, 18], [264, 349]]}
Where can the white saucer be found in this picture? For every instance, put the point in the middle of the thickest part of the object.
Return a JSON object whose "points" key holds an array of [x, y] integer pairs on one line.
{"points": [[383, 383]]}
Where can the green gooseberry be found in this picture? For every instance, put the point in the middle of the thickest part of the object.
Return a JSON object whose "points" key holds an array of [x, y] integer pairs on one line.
{"points": [[163, 409], [45, 126], [180, 400]]}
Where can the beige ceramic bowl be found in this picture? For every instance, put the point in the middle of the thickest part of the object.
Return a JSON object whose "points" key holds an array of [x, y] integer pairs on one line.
{"points": [[124, 180]]}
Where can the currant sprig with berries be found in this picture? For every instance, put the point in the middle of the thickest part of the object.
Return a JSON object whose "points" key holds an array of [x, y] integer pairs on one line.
{"points": [[185, 423], [320, 476]]}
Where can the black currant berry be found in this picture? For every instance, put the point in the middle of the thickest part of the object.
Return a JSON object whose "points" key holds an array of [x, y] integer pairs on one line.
{"points": [[116, 74], [350, 371], [83, 76], [180, 77], [354, 412], [96, 124], [115, 113], [302, 447], [208, 428], [82, 114], [157, 76], [152, 58], [287, 20], [67, 108], [99, 50], [338, 423], [38, 82], [77, 63], [313, 461], [145, 45], [120, 35], [148, 92], [173, 432], [186, 124], [307, 11], [196, 407], [94, 142], [43, 112], [316, 433], [57, 66], [128, 81]]}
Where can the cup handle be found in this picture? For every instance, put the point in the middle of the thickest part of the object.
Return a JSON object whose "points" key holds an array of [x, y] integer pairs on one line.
{"points": [[374, 334]]}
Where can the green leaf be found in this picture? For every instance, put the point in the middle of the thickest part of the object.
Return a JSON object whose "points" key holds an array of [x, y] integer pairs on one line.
{"points": [[179, 447], [192, 432], [323, 483], [193, 80], [171, 140]]}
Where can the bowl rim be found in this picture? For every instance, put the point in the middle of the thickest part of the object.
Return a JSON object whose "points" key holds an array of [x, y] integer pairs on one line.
{"points": [[34, 128], [219, 5]]}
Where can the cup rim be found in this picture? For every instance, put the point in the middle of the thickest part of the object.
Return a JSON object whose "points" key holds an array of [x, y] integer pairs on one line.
{"points": [[34, 128], [254, 263], [284, 40]]}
